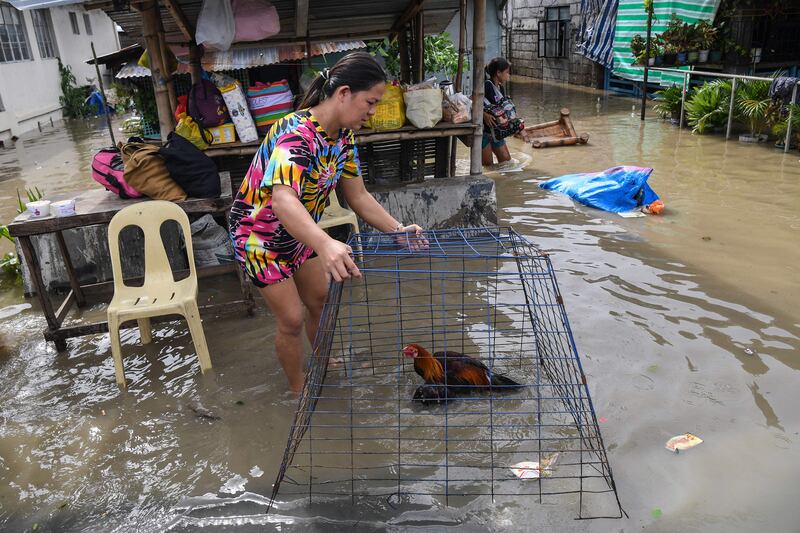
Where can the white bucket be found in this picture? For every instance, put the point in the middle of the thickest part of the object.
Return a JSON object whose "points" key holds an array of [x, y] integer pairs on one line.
{"points": [[64, 208], [39, 208]]}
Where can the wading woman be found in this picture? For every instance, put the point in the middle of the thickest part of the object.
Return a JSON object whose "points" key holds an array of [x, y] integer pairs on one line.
{"points": [[274, 216], [498, 72]]}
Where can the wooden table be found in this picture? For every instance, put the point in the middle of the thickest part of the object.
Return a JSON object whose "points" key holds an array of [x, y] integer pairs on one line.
{"points": [[98, 206]]}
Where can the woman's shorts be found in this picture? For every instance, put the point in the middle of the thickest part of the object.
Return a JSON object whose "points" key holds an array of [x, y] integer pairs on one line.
{"points": [[487, 139]]}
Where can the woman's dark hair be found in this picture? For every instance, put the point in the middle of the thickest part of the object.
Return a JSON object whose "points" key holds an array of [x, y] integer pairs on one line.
{"points": [[358, 70], [498, 64]]}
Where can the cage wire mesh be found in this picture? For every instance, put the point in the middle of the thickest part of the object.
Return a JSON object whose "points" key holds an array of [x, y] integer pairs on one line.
{"points": [[487, 293]]}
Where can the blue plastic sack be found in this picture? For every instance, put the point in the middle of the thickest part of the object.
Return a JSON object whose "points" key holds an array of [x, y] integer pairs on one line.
{"points": [[617, 189], [95, 102]]}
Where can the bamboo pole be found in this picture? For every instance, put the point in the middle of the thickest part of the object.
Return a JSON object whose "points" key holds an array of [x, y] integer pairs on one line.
{"points": [[478, 52], [194, 62], [150, 25], [647, 56], [402, 43], [788, 139], [103, 92], [162, 40], [457, 83], [419, 47]]}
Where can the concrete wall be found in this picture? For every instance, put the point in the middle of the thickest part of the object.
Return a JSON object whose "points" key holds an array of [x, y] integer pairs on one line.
{"points": [[525, 59], [30, 89], [494, 37]]}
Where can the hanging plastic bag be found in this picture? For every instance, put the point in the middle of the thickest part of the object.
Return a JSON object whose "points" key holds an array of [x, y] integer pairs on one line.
{"points": [[617, 189], [189, 129], [463, 108], [390, 113], [423, 106], [255, 20], [215, 25], [172, 61]]}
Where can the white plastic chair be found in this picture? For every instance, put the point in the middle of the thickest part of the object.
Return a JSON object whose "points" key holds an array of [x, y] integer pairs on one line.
{"points": [[336, 215], [160, 294]]}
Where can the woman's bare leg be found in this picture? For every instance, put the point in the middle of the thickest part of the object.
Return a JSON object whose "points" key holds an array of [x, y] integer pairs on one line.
{"points": [[284, 301], [312, 285], [502, 153]]}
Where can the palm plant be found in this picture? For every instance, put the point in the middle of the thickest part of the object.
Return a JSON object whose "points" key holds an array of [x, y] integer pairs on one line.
{"points": [[669, 102], [779, 128], [708, 106], [753, 105]]}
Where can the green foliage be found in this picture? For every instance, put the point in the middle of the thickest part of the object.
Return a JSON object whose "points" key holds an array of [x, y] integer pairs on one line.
{"points": [[9, 263], [72, 98], [668, 102], [779, 128], [143, 98], [707, 107], [33, 195], [753, 105], [440, 55]]}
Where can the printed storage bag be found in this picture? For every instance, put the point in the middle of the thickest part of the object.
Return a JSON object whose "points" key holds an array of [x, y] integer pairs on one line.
{"points": [[237, 108], [269, 102]]}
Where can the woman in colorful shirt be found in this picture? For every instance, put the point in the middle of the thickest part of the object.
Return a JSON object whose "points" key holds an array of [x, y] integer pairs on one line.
{"points": [[274, 216]]}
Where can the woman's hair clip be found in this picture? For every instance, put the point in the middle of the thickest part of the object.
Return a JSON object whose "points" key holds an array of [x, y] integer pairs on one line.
{"points": [[326, 74]]}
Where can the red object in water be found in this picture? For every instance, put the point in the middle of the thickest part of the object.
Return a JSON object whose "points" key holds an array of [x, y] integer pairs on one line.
{"points": [[656, 208]]}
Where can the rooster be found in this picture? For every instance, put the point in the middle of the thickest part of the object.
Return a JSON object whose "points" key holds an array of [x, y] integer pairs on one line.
{"points": [[455, 370]]}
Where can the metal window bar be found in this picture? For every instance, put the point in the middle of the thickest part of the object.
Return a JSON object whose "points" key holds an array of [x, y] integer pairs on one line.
{"points": [[13, 39], [486, 292], [687, 74], [45, 36]]}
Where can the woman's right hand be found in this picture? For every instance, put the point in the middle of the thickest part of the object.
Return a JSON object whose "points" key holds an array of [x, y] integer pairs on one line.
{"points": [[336, 260], [489, 119]]}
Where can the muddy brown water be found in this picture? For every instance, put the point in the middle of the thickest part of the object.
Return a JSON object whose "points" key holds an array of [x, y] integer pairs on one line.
{"points": [[685, 322]]}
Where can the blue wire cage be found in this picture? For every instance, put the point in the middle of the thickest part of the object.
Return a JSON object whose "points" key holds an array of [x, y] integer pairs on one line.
{"points": [[360, 430]]}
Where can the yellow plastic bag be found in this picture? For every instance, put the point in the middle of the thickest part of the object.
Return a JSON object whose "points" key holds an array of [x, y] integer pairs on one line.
{"points": [[189, 129], [144, 61], [390, 112]]}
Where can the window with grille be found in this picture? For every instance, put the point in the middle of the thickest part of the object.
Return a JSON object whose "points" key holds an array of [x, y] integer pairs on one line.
{"points": [[45, 37], [73, 20], [87, 23], [553, 32], [13, 40]]}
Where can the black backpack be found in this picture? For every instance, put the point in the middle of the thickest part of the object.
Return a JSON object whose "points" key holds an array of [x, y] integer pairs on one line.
{"points": [[193, 170]]}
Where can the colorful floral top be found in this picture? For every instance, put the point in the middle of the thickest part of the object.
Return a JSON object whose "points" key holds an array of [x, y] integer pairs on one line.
{"points": [[298, 153]]}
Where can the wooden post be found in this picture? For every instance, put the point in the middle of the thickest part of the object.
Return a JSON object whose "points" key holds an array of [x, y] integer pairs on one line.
{"points": [[458, 83], [478, 52], [103, 92], [173, 99], [647, 55], [405, 68], [419, 47], [194, 62], [150, 26]]}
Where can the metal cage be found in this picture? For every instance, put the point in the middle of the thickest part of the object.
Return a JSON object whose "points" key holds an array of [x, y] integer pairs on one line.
{"points": [[487, 292]]}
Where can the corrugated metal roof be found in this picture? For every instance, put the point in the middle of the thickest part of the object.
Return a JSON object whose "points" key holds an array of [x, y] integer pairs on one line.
{"points": [[252, 56], [37, 4], [327, 19]]}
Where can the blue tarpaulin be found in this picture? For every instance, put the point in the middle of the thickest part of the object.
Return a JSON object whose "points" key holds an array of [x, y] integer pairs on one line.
{"points": [[617, 189]]}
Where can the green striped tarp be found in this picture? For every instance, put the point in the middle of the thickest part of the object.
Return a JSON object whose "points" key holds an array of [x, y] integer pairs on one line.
{"points": [[632, 19]]}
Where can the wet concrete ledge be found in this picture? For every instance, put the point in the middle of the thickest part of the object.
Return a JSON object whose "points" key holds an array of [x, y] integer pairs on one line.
{"points": [[439, 203]]}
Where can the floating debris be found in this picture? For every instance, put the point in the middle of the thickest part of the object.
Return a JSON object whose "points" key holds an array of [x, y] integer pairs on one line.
{"points": [[532, 469], [683, 442], [748, 351], [256, 472], [202, 412]]}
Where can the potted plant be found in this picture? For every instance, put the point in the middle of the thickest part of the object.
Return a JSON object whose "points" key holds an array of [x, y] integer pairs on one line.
{"points": [[668, 105], [754, 108], [779, 129], [656, 52], [637, 48], [692, 43], [669, 54], [707, 39], [707, 107]]}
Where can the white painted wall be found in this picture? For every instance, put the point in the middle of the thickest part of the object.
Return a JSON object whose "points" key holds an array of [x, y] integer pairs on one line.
{"points": [[494, 36], [30, 90]]}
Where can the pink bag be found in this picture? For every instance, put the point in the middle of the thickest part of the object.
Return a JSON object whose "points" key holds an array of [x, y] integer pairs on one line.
{"points": [[255, 20], [108, 171]]}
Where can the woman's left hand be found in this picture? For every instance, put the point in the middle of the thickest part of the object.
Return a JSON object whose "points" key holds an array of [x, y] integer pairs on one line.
{"points": [[412, 237]]}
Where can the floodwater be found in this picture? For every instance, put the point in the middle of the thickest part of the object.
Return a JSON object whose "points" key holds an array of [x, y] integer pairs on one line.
{"points": [[686, 322]]}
